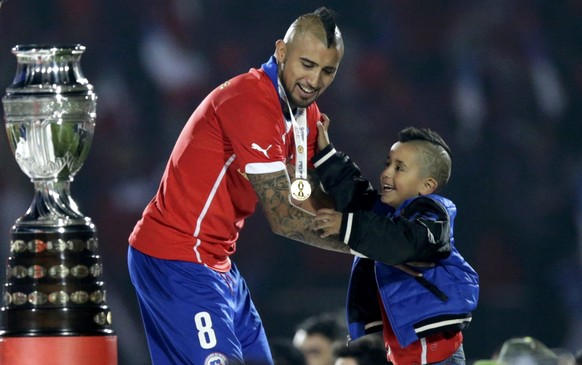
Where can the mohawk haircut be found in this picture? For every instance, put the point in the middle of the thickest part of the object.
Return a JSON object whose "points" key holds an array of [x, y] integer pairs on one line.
{"points": [[434, 155], [423, 134], [327, 17]]}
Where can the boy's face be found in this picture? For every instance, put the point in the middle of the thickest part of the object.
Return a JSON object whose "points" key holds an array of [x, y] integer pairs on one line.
{"points": [[401, 179]]}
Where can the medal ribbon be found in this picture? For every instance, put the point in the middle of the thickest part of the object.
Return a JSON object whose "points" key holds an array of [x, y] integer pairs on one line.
{"points": [[300, 133]]}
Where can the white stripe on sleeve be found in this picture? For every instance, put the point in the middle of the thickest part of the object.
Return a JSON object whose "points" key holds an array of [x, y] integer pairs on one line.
{"points": [[324, 158]]}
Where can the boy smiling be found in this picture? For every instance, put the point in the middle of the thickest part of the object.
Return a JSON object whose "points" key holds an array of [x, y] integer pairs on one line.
{"points": [[422, 317]]}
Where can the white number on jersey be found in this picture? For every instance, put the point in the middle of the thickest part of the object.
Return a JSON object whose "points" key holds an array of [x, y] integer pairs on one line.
{"points": [[206, 334]]}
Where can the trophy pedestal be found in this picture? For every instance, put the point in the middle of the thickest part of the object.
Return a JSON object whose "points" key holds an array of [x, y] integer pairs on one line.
{"points": [[55, 308], [86, 350]]}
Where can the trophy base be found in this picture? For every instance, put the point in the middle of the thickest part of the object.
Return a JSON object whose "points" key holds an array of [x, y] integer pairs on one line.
{"points": [[54, 284], [86, 350], [54, 322]]}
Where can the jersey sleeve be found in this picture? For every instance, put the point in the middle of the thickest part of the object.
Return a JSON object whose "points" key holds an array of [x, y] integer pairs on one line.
{"points": [[252, 123]]}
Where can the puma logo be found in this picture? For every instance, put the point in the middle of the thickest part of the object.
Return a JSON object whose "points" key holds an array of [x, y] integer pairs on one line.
{"points": [[255, 146]]}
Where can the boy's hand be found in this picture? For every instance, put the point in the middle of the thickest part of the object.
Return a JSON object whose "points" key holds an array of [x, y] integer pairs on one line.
{"points": [[322, 135], [328, 221]]}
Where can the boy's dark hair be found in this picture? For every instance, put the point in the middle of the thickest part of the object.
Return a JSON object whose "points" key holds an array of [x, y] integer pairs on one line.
{"points": [[423, 134], [327, 17], [435, 153]]}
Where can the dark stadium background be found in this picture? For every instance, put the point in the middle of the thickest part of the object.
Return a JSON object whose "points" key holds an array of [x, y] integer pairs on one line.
{"points": [[500, 80]]}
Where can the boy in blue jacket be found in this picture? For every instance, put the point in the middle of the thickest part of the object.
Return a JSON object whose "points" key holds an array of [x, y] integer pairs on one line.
{"points": [[422, 316]]}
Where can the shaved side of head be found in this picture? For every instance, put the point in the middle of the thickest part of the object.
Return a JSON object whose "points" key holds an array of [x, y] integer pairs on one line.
{"points": [[321, 24]]}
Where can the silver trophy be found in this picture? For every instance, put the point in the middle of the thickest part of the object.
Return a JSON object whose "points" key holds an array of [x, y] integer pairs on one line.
{"points": [[54, 284]]}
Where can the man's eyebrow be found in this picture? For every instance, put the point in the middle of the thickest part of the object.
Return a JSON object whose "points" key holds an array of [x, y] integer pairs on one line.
{"points": [[313, 63], [330, 69], [304, 59]]}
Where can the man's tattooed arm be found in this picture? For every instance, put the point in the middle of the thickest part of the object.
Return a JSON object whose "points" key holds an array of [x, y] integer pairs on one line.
{"points": [[286, 219]]}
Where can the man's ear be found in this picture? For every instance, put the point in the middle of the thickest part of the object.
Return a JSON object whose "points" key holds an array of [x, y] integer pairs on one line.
{"points": [[429, 186], [280, 51]]}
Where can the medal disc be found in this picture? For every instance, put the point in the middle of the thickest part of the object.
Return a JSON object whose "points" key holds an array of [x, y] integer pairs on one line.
{"points": [[300, 189]]}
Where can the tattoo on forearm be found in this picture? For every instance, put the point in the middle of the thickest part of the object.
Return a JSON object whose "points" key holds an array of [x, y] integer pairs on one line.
{"points": [[284, 218]]}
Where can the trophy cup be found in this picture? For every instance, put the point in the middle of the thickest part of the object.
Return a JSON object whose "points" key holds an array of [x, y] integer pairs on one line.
{"points": [[54, 296]]}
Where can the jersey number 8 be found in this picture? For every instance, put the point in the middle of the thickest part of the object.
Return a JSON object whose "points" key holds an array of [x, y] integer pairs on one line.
{"points": [[206, 334]]}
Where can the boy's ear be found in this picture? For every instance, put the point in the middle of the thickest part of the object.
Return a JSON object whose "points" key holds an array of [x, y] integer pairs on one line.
{"points": [[430, 185]]}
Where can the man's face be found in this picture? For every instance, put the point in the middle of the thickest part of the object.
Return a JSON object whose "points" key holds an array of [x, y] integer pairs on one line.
{"points": [[306, 68], [317, 349]]}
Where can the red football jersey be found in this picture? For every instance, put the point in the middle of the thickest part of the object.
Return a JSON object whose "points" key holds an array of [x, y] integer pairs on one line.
{"points": [[204, 196]]}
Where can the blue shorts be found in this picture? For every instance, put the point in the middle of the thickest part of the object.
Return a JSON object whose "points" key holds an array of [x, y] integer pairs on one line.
{"points": [[195, 315]]}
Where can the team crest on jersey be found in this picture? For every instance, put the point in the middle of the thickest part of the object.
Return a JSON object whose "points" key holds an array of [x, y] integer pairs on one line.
{"points": [[216, 358]]}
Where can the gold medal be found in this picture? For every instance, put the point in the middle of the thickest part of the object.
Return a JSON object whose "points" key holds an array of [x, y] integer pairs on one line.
{"points": [[300, 189]]}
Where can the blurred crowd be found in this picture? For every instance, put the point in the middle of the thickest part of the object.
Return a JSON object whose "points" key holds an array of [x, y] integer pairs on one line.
{"points": [[500, 80], [321, 340]]}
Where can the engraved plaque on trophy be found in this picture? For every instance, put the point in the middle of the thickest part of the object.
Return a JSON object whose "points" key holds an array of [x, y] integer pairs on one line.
{"points": [[54, 278]]}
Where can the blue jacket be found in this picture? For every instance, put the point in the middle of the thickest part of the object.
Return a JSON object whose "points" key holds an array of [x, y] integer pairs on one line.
{"points": [[421, 229], [442, 302]]}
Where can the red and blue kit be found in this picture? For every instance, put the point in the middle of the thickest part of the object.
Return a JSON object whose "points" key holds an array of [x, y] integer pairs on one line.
{"points": [[204, 196], [195, 304]]}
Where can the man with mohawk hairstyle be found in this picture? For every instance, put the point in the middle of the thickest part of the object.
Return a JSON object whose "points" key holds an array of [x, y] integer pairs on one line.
{"points": [[234, 151]]}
